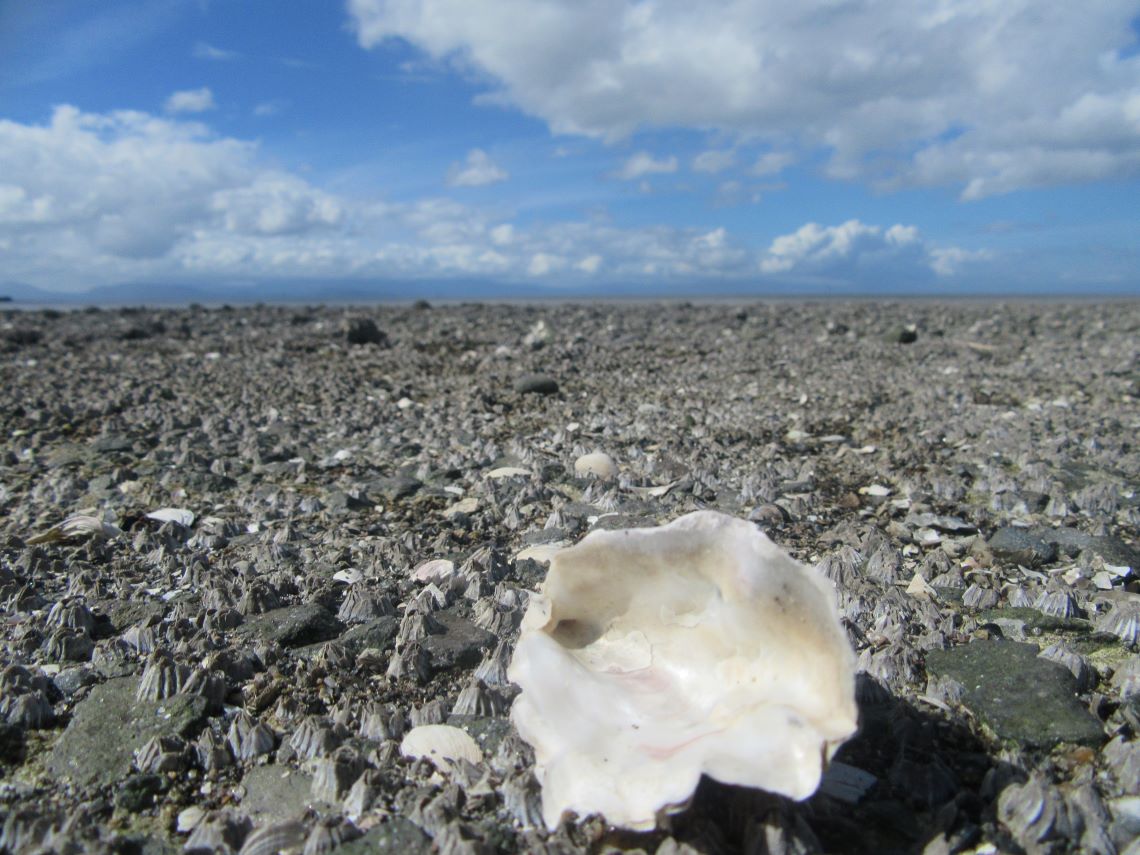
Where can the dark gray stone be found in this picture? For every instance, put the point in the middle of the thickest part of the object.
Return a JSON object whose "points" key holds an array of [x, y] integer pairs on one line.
{"points": [[1021, 697], [537, 384], [365, 331], [398, 487], [1021, 546], [1072, 541], [377, 633], [293, 626], [396, 835], [110, 724], [461, 644]]}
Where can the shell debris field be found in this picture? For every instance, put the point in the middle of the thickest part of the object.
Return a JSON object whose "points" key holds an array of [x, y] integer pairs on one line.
{"points": [[655, 655], [243, 555]]}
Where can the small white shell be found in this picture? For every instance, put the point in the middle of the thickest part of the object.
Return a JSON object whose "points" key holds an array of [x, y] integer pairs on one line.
{"points": [[182, 516], [655, 655], [443, 744], [439, 570], [598, 464]]}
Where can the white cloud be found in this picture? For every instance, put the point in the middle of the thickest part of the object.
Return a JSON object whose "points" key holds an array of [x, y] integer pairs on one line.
{"points": [[92, 199], [989, 97], [643, 163], [855, 251], [478, 171], [714, 160], [202, 50], [268, 108], [591, 264], [503, 234], [772, 163], [190, 101]]}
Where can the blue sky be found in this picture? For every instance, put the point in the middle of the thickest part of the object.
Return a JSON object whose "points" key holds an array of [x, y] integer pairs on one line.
{"points": [[557, 147]]}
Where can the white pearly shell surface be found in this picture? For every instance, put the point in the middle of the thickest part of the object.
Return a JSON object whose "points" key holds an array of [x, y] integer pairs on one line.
{"points": [[652, 656]]}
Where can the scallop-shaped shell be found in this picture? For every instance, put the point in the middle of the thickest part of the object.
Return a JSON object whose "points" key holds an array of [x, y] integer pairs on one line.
{"points": [[287, 836], [1057, 602], [493, 669], [978, 597], [1122, 620], [443, 744], [655, 655]]}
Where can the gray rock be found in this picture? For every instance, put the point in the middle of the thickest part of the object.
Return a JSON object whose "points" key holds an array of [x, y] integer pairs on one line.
{"points": [[460, 644], [538, 384], [274, 792], [292, 626], [397, 835], [377, 633], [365, 331], [1020, 696], [396, 488], [1022, 546], [109, 725]]}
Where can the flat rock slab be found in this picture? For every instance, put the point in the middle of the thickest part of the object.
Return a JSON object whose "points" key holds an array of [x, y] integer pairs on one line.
{"points": [[461, 644], [274, 793], [1022, 546], [396, 835], [1019, 695], [109, 725], [293, 626]]}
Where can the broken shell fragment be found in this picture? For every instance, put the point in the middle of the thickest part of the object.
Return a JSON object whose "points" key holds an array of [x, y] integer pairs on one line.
{"points": [[654, 655]]}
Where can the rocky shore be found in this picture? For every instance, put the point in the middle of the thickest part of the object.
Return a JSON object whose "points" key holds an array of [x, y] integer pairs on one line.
{"points": [[243, 552]]}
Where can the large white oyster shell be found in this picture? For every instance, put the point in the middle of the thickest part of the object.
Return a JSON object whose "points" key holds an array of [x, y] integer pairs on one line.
{"points": [[654, 655]]}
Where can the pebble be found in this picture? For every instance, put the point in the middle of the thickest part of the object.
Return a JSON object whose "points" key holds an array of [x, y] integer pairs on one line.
{"points": [[536, 384]]}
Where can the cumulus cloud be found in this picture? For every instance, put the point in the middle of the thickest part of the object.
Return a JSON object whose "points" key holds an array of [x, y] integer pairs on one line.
{"points": [[190, 101], [989, 97], [772, 163], [477, 171], [643, 163], [854, 251], [90, 199], [714, 161]]}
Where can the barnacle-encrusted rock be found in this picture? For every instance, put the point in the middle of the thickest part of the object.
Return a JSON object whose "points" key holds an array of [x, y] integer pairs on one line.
{"points": [[286, 836], [1082, 671], [162, 677], [477, 699], [162, 754], [433, 712], [379, 722], [315, 737], [655, 655], [335, 774], [328, 834], [361, 605], [249, 738], [413, 662]]}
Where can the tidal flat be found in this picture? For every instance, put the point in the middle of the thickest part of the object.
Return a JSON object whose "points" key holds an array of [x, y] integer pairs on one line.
{"points": [[244, 551]]}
